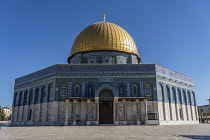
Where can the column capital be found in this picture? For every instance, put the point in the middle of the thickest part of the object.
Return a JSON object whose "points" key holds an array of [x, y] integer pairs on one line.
{"points": [[75, 101], [116, 98], [88, 100], [67, 100]]}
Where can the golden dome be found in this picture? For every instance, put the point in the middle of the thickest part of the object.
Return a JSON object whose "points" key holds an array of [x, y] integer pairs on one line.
{"points": [[104, 36]]}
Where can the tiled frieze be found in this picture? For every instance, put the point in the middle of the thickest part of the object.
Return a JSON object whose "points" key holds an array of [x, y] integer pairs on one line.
{"points": [[172, 75]]}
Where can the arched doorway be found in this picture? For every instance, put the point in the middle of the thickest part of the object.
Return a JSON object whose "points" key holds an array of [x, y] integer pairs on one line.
{"points": [[106, 107]]}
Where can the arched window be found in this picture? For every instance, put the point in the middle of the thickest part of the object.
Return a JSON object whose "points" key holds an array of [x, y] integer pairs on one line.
{"points": [[50, 93], [121, 89], [135, 89], [173, 94], [189, 97], [167, 92], [148, 89], [20, 98], [25, 97], [180, 95], [16, 99], [76, 89], [63, 90], [184, 96], [36, 95], [90, 89], [31, 96], [43, 94], [160, 91], [193, 98]]}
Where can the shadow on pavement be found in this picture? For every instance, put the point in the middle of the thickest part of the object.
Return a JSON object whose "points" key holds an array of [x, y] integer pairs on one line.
{"points": [[4, 124], [196, 137]]}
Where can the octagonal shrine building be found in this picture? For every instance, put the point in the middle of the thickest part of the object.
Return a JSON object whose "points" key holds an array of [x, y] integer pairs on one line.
{"points": [[104, 83]]}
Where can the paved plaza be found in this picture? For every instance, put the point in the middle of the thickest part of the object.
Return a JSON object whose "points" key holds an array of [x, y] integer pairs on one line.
{"points": [[199, 131]]}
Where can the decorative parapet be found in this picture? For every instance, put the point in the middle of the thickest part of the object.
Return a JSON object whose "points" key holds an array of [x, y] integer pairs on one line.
{"points": [[171, 75], [60, 70]]}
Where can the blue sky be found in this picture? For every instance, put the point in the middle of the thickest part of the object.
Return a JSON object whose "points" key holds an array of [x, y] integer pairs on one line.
{"points": [[35, 34]]}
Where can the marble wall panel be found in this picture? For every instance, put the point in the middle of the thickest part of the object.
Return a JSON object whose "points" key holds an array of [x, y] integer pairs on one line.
{"points": [[44, 112], [61, 111]]}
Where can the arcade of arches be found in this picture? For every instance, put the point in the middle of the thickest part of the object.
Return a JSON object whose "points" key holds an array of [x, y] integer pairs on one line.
{"points": [[107, 109]]}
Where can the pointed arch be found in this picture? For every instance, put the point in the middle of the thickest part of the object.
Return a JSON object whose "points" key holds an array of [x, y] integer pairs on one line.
{"points": [[31, 96], [50, 96], [135, 89], [25, 97], [20, 98], [43, 94], [63, 90], [184, 96], [90, 89], [76, 90], [148, 89], [193, 98], [167, 92], [173, 94], [15, 102], [189, 97], [122, 89], [36, 95], [180, 95]]}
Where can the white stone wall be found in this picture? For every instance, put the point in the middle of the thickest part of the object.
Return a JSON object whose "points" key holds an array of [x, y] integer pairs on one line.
{"points": [[173, 112], [53, 113], [25, 113], [44, 112], [120, 111], [142, 112], [186, 109]]}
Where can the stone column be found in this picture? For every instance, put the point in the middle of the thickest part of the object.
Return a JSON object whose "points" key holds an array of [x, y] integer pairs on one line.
{"points": [[96, 110], [146, 116], [137, 112], [125, 112], [88, 112], [116, 113], [67, 112], [74, 112]]}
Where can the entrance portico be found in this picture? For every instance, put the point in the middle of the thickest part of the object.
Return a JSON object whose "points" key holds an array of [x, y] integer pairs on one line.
{"points": [[106, 109], [106, 99]]}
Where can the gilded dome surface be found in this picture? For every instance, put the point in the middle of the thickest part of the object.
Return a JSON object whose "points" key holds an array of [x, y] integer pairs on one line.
{"points": [[104, 36]]}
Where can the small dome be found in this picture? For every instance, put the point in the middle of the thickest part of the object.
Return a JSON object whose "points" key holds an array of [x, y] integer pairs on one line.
{"points": [[104, 36]]}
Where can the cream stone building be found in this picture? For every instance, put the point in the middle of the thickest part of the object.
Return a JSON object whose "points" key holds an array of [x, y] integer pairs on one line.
{"points": [[104, 83], [7, 111], [204, 113]]}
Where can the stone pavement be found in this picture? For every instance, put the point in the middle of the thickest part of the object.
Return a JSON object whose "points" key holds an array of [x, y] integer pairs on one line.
{"points": [[167, 132]]}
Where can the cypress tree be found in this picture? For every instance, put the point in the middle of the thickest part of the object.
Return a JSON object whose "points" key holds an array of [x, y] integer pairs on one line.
{"points": [[2, 115]]}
